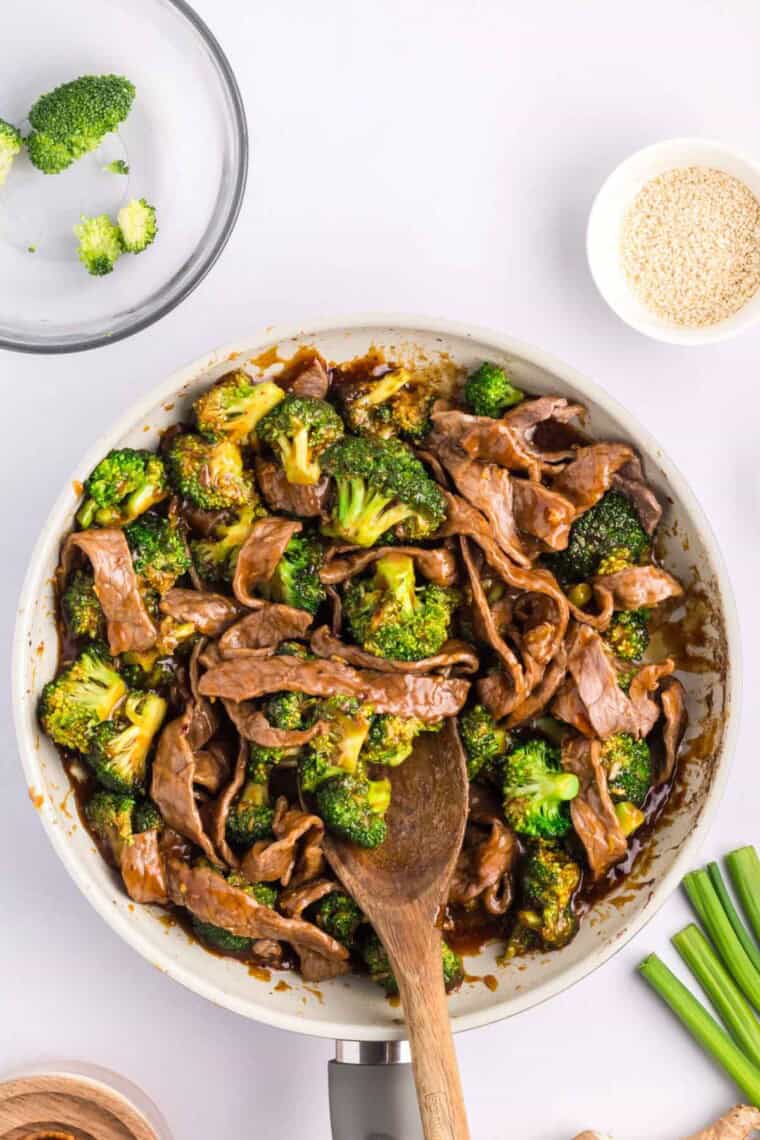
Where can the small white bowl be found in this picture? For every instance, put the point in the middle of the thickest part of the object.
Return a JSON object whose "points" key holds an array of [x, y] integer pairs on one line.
{"points": [[606, 221]]}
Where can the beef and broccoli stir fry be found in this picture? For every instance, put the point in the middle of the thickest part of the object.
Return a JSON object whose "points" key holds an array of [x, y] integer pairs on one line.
{"points": [[325, 564]]}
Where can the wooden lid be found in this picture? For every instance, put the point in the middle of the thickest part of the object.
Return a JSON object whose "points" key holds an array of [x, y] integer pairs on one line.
{"points": [[57, 1107]]}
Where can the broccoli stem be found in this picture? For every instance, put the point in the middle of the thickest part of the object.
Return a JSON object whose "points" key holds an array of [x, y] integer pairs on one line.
{"points": [[709, 910], [721, 989], [734, 918], [744, 869], [703, 1028]]}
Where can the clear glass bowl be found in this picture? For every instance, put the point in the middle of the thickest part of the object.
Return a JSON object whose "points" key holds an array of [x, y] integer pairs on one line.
{"points": [[186, 144]]}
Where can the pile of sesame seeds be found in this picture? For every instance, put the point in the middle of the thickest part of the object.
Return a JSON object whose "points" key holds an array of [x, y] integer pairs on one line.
{"points": [[690, 245]]}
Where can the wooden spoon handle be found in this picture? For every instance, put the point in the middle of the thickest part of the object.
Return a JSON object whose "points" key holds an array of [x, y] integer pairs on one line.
{"points": [[434, 1059]]}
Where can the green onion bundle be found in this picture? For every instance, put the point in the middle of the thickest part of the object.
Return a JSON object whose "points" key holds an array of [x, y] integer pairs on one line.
{"points": [[724, 958]]}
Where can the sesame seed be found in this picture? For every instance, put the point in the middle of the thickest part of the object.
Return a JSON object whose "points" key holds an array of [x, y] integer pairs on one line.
{"points": [[690, 245]]}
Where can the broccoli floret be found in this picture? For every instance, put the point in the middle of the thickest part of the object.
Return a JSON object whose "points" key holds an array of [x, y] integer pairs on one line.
{"points": [[137, 222], [629, 817], [10, 145], [296, 580], [353, 808], [298, 429], [109, 814], [147, 671], [608, 528], [217, 938], [379, 485], [489, 391], [548, 880], [290, 710], [265, 894], [482, 738], [122, 486], [82, 610], [387, 405], [100, 244], [215, 557], [251, 815], [210, 475], [231, 408], [118, 166], [628, 764], [391, 738], [74, 118], [339, 916], [81, 696], [378, 964], [119, 748], [146, 817], [159, 552], [392, 617], [337, 750], [537, 791], [628, 635]]}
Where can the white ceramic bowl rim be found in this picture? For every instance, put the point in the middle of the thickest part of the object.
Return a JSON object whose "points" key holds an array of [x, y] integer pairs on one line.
{"points": [[192, 976]]}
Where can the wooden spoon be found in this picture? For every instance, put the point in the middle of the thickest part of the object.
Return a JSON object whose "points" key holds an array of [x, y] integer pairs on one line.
{"points": [[400, 887]]}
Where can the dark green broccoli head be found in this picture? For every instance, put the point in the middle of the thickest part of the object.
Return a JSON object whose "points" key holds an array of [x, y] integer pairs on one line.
{"points": [[82, 611], [453, 968], [217, 938], [262, 760], [290, 710], [123, 485], [210, 475], [146, 671], [389, 615], [85, 693], [215, 557], [339, 916], [378, 964], [146, 817], [109, 815], [537, 791], [611, 529], [231, 408], [251, 815], [298, 429], [482, 738], [10, 145], [628, 634], [296, 580], [74, 118], [628, 764], [380, 485], [489, 392], [264, 893], [353, 808], [159, 552], [337, 750], [293, 649], [119, 748], [548, 881], [391, 738], [387, 405]]}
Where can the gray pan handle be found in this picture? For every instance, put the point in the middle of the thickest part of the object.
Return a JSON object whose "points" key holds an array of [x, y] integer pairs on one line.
{"points": [[372, 1094]]}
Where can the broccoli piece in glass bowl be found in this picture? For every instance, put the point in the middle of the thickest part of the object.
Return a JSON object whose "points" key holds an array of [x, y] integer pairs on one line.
{"points": [[489, 392], [392, 617], [380, 485], [118, 753], [83, 694], [100, 244], [10, 145], [125, 484], [299, 429], [137, 223], [73, 119], [536, 790], [232, 407]]}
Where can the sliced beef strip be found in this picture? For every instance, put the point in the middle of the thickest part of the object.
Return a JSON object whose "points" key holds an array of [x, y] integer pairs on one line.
{"points": [[542, 512], [209, 896], [509, 441], [673, 701], [592, 811], [295, 900], [144, 870], [543, 693], [608, 708], [645, 683], [484, 868], [600, 619], [439, 566], [253, 725], [172, 784], [429, 698], [638, 586], [204, 718], [452, 655], [312, 380], [306, 502], [212, 767], [630, 481], [265, 628], [259, 555], [568, 707], [210, 613], [513, 670], [294, 856], [590, 475], [128, 623], [220, 809]]}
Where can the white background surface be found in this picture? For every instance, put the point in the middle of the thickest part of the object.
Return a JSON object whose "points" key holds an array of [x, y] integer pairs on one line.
{"points": [[433, 158]]}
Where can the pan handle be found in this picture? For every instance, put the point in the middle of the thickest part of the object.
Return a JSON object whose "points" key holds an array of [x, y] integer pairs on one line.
{"points": [[372, 1095]]}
